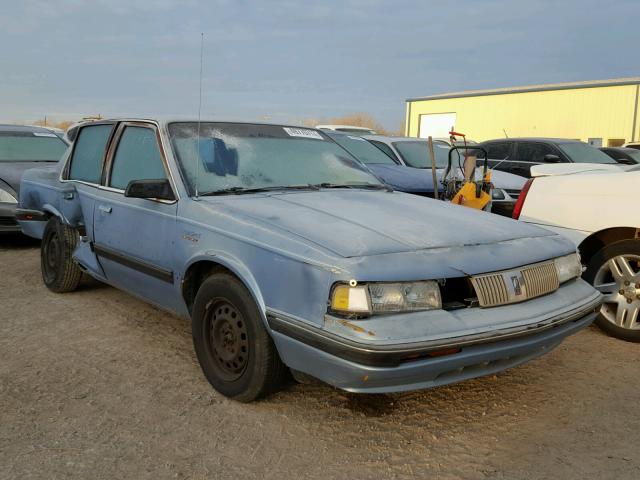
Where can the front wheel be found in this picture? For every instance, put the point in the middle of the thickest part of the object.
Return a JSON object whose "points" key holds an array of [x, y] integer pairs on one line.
{"points": [[615, 272], [236, 353], [59, 271]]}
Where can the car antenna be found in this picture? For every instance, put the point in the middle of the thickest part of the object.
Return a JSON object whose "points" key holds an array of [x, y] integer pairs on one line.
{"points": [[198, 159], [505, 133]]}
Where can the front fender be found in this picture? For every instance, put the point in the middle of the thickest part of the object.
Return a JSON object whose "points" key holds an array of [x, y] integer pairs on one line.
{"points": [[237, 267]]}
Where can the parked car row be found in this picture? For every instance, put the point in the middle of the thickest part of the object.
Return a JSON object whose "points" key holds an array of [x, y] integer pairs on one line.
{"points": [[314, 252], [288, 254]]}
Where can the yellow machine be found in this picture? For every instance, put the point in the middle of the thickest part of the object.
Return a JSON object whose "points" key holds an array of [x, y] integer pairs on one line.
{"points": [[468, 194], [460, 185]]}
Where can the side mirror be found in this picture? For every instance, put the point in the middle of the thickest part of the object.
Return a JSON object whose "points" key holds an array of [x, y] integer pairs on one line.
{"points": [[551, 158], [158, 189]]}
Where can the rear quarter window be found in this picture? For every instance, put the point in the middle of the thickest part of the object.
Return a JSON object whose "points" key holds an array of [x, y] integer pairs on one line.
{"points": [[88, 152]]}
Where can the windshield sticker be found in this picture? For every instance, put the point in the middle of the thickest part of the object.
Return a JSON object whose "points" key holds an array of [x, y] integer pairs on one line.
{"points": [[39, 134], [303, 132]]}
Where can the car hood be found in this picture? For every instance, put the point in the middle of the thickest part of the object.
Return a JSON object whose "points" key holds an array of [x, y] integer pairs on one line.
{"points": [[353, 223], [413, 180], [11, 172]]}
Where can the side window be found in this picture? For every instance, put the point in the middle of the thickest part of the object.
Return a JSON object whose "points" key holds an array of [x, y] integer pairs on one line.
{"points": [[533, 152], [86, 163], [386, 149], [498, 151], [137, 158]]}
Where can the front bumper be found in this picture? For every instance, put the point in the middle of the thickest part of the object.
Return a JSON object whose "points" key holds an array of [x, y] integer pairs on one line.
{"points": [[349, 356], [8, 222], [502, 207]]}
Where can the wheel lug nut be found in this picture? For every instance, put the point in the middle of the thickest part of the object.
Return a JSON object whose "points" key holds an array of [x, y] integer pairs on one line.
{"points": [[629, 300], [621, 292], [626, 282]]}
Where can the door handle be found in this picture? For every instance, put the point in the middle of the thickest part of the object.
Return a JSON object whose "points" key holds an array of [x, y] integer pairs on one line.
{"points": [[105, 208]]}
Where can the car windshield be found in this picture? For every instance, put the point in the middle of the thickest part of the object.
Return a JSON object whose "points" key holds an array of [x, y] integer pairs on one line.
{"points": [[416, 154], [30, 147], [237, 157], [583, 153], [361, 149]]}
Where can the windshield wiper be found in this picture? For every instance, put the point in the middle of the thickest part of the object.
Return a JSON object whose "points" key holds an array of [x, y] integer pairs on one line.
{"points": [[366, 186], [243, 190]]}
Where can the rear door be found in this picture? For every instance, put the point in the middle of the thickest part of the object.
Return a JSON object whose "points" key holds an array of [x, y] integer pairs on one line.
{"points": [[532, 153], [83, 173], [500, 154], [134, 237]]}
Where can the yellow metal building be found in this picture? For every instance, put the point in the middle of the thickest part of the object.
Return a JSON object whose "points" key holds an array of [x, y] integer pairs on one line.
{"points": [[602, 112]]}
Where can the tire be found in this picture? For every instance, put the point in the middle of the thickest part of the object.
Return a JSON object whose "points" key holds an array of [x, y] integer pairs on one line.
{"points": [[60, 272], [235, 351], [615, 271]]}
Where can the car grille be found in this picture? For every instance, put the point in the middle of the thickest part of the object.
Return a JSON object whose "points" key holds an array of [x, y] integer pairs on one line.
{"points": [[513, 193], [511, 286]]}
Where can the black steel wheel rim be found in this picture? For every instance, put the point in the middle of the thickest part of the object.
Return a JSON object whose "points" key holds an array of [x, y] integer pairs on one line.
{"points": [[51, 254], [228, 339]]}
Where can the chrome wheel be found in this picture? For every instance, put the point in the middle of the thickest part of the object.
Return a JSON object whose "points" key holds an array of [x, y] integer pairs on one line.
{"points": [[619, 281]]}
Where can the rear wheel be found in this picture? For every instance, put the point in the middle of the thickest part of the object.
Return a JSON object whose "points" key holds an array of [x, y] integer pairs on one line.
{"points": [[615, 272], [59, 271], [236, 353]]}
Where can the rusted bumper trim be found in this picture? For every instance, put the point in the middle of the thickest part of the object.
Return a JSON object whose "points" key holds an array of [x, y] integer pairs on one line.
{"points": [[394, 355]]}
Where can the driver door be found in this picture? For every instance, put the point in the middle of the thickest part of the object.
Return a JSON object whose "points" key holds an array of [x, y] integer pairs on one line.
{"points": [[134, 237]]}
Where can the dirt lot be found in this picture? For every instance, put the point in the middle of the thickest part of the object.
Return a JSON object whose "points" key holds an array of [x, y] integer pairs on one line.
{"points": [[97, 384]]}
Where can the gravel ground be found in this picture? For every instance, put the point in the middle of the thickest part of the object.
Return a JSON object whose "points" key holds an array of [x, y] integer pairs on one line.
{"points": [[97, 384]]}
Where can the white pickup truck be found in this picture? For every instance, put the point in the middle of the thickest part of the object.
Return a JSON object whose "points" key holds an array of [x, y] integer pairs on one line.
{"points": [[596, 206]]}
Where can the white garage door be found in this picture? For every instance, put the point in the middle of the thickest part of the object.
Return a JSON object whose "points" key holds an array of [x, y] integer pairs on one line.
{"points": [[437, 124]]}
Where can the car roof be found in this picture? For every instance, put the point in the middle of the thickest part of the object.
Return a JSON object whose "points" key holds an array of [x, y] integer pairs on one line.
{"points": [[24, 129], [391, 139], [534, 139], [162, 121], [352, 127]]}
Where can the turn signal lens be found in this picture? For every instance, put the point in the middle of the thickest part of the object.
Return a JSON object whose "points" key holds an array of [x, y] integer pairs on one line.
{"points": [[350, 299]]}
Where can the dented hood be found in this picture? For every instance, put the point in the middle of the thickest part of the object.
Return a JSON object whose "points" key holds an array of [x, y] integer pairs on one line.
{"points": [[353, 223]]}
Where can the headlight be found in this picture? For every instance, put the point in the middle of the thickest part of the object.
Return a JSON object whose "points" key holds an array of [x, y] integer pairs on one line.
{"points": [[568, 267], [498, 194], [386, 297], [6, 197]]}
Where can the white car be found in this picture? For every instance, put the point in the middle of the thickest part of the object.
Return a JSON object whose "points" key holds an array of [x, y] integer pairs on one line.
{"points": [[597, 209], [635, 145]]}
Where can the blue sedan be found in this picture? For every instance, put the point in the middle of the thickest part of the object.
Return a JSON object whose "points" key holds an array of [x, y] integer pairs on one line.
{"points": [[287, 254]]}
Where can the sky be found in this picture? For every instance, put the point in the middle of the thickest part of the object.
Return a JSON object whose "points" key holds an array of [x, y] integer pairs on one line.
{"points": [[288, 61]]}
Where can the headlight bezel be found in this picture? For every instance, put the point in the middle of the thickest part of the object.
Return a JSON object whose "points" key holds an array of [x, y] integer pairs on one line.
{"points": [[404, 306], [7, 197], [568, 267]]}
